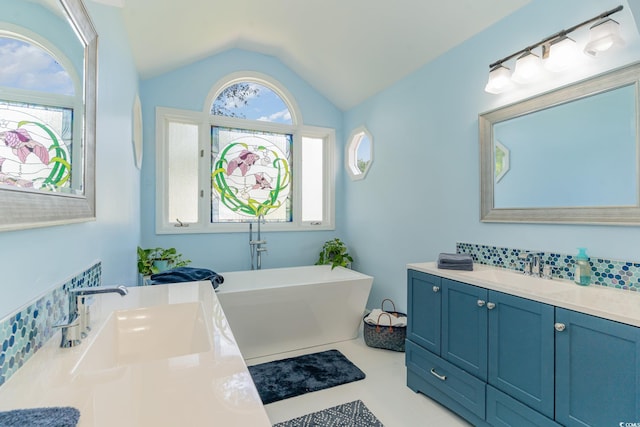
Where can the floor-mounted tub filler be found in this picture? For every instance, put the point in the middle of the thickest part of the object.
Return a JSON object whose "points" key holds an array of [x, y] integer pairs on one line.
{"points": [[282, 309]]}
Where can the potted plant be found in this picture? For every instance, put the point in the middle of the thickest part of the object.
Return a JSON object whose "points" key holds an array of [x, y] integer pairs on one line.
{"points": [[334, 252], [155, 260]]}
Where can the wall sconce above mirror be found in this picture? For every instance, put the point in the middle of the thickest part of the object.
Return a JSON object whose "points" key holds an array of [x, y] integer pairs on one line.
{"points": [[47, 114], [557, 53], [567, 156]]}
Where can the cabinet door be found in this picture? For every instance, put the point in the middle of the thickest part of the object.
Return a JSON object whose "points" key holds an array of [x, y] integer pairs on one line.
{"points": [[521, 350], [597, 371], [423, 313], [464, 327]]}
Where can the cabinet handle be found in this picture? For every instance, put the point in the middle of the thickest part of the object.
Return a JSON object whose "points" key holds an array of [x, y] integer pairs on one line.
{"points": [[437, 375], [491, 305], [436, 288], [559, 327], [481, 303]]}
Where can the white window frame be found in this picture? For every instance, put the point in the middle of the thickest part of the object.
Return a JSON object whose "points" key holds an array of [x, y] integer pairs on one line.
{"points": [[204, 120]]}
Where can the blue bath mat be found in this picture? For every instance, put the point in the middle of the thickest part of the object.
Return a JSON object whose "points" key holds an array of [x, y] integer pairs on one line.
{"points": [[40, 417], [352, 414], [294, 376]]}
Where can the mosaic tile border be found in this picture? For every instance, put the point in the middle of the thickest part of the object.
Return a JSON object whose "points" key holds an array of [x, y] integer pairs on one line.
{"points": [[24, 332], [604, 272]]}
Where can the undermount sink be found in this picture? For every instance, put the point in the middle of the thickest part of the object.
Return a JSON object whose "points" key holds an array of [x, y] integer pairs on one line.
{"points": [[147, 334]]}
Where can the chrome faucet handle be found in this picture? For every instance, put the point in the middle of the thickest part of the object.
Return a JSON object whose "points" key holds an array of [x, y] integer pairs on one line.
{"points": [[535, 265], [71, 333], [526, 259]]}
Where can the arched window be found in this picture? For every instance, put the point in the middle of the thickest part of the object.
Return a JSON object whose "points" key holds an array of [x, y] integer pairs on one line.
{"points": [[261, 162], [40, 92]]}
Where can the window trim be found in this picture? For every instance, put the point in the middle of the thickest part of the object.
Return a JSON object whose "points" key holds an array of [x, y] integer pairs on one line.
{"points": [[204, 120]]}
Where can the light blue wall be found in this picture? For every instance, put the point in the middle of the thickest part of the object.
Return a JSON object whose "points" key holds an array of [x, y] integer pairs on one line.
{"points": [[422, 193], [34, 261], [187, 88]]}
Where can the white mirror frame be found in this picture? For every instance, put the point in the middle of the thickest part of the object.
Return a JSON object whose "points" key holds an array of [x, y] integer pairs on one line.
{"points": [[613, 215], [20, 209]]}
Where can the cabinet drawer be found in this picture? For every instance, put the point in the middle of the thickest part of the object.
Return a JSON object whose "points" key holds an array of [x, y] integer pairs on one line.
{"points": [[503, 410], [463, 388]]}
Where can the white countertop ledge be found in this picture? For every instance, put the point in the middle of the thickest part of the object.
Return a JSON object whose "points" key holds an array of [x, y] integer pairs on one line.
{"points": [[206, 388], [606, 302]]}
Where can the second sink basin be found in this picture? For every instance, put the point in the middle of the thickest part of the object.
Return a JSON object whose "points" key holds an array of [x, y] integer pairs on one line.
{"points": [[147, 334]]}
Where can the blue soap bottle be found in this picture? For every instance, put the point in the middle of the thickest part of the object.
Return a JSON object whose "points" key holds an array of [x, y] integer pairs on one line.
{"points": [[583, 269]]}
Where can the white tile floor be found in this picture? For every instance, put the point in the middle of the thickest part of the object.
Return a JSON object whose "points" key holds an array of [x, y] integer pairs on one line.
{"points": [[383, 391]]}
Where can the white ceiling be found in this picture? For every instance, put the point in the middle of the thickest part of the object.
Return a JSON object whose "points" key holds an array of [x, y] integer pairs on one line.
{"points": [[348, 50]]}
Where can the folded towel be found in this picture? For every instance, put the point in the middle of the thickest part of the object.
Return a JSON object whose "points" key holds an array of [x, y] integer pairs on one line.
{"points": [[445, 258], [461, 267], [186, 274], [455, 261], [372, 318], [40, 417]]}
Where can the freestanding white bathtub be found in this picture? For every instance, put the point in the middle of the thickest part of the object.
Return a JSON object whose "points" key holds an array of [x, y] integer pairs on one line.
{"points": [[282, 309]]}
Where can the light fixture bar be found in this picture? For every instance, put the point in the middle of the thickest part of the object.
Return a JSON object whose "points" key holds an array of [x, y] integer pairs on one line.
{"points": [[557, 35]]}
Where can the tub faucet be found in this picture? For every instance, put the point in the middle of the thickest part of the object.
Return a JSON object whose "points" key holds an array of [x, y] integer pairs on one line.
{"points": [[256, 246], [78, 326]]}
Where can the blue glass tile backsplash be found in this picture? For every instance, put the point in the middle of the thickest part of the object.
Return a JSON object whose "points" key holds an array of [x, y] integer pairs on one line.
{"points": [[24, 332], [604, 272]]}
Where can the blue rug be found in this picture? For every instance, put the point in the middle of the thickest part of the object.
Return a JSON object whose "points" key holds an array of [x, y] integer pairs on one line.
{"points": [[294, 376], [352, 414]]}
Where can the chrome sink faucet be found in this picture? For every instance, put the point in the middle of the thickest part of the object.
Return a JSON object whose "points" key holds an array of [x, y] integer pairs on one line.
{"points": [[531, 263], [79, 315]]}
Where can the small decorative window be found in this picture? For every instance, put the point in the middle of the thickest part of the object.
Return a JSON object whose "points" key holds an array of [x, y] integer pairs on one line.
{"points": [[359, 154]]}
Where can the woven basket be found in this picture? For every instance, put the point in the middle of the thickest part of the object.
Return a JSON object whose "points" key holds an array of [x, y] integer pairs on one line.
{"points": [[386, 337]]}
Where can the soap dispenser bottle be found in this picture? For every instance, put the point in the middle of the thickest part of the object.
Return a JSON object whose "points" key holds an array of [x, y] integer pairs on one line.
{"points": [[583, 269]]}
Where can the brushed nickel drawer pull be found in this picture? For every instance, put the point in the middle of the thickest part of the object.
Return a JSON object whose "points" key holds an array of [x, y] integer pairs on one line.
{"points": [[436, 288], [437, 375]]}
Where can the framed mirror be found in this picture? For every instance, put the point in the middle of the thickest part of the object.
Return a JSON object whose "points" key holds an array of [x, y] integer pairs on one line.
{"points": [[47, 114], [566, 156]]}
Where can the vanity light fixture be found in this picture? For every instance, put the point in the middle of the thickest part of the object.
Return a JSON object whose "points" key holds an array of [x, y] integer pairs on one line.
{"points": [[558, 52]]}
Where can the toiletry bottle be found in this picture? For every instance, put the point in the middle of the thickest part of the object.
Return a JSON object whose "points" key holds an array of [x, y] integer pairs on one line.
{"points": [[583, 269]]}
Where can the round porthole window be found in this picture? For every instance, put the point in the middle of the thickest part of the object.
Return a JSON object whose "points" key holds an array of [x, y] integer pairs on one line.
{"points": [[359, 154]]}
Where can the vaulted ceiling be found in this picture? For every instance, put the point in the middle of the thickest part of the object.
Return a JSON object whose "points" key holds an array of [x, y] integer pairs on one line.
{"points": [[348, 50]]}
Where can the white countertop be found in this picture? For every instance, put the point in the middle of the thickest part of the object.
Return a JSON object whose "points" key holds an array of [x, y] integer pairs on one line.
{"points": [[610, 303], [200, 389]]}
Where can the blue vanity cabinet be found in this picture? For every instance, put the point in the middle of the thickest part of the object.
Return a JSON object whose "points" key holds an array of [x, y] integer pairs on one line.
{"points": [[423, 312], [597, 371], [464, 327], [521, 350]]}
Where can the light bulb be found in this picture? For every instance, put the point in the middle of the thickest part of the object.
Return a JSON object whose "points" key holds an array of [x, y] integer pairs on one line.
{"points": [[603, 36], [562, 54], [499, 80], [528, 68]]}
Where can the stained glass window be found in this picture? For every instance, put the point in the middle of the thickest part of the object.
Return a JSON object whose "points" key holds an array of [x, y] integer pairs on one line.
{"points": [[251, 175], [36, 119], [35, 146]]}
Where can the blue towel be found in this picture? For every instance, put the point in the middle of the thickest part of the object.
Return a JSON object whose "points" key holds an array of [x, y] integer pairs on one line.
{"points": [[40, 417], [455, 261], [186, 274]]}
